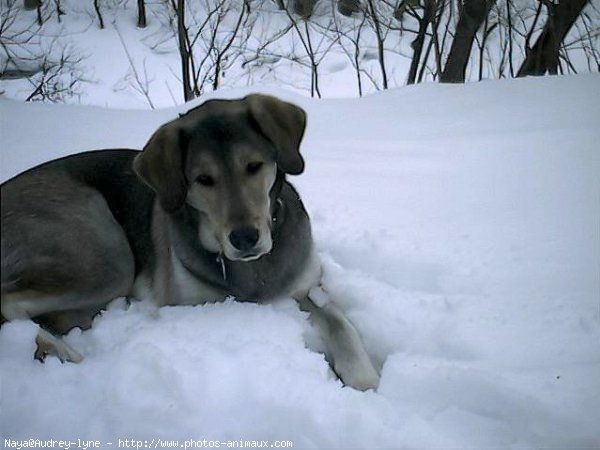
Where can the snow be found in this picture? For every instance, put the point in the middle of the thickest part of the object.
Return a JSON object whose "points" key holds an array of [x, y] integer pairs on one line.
{"points": [[459, 228], [105, 73]]}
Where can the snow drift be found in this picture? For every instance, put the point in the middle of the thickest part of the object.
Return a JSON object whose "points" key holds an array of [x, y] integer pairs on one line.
{"points": [[459, 228]]}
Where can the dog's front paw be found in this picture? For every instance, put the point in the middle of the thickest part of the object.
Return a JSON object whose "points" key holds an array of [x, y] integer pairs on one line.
{"points": [[48, 344], [360, 375]]}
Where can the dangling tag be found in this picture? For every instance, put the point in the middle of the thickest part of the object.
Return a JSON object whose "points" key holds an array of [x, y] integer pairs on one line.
{"points": [[221, 260], [277, 209]]}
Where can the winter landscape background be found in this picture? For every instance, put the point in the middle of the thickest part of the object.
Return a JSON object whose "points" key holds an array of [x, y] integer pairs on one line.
{"points": [[458, 224]]}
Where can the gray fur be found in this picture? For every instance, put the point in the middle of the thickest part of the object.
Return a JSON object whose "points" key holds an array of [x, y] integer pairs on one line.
{"points": [[204, 212]]}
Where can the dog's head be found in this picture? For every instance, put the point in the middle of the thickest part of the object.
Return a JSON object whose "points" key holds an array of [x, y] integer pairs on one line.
{"points": [[223, 158]]}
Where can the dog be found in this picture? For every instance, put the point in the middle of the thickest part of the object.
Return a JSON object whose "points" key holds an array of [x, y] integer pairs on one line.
{"points": [[204, 212]]}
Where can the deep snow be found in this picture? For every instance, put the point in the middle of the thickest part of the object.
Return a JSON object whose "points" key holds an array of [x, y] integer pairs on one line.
{"points": [[459, 228]]}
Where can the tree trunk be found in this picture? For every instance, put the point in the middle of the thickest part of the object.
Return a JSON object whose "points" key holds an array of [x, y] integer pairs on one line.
{"points": [[543, 56], [40, 19], [380, 41], [486, 32], [417, 44], [304, 8], [348, 7], [141, 23], [184, 54], [510, 39], [32, 4], [99, 13], [472, 15]]}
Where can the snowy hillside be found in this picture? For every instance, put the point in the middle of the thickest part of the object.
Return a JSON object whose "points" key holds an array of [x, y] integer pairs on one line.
{"points": [[459, 228]]}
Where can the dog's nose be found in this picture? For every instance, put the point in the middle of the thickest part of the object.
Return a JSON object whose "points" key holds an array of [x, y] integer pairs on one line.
{"points": [[244, 238]]}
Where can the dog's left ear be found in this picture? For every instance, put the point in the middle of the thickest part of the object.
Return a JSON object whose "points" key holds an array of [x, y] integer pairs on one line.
{"points": [[160, 166], [283, 124]]}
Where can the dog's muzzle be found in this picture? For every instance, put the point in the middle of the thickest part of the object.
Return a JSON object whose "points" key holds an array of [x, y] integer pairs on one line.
{"points": [[246, 244], [244, 239]]}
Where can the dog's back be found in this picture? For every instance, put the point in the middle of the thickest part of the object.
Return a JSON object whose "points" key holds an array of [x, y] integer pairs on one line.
{"points": [[90, 212]]}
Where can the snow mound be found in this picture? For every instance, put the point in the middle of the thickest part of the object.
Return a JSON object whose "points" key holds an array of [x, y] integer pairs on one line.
{"points": [[459, 230]]}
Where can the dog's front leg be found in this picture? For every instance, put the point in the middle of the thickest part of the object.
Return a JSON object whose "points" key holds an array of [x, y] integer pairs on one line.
{"points": [[345, 350]]}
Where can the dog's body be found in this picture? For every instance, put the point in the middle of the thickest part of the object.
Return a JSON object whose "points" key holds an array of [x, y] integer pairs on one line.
{"points": [[202, 214]]}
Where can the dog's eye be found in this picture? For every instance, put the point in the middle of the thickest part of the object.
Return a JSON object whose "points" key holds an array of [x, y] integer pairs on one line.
{"points": [[205, 180], [253, 167]]}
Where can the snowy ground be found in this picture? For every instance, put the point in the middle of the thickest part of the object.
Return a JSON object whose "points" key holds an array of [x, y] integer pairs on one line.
{"points": [[460, 231], [106, 73]]}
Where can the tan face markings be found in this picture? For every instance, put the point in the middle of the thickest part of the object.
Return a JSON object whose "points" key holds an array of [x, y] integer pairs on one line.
{"points": [[231, 192]]}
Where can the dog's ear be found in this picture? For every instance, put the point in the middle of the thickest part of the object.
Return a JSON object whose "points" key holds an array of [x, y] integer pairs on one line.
{"points": [[160, 166], [283, 124]]}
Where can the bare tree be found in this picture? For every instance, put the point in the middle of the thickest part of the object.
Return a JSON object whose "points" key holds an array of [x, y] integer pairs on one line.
{"points": [[472, 15], [304, 8], [349, 40], [590, 41], [376, 21], [51, 66], [32, 4], [428, 16], [510, 37], [184, 51], [305, 33], [348, 7], [28, 53], [220, 53], [99, 13], [544, 55], [19, 44], [487, 29], [141, 7], [207, 47], [60, 76], [59, 10], [139, 80]]}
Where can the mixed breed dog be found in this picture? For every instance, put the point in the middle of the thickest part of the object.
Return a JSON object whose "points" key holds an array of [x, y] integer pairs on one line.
{"points": [[203, 213]]}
